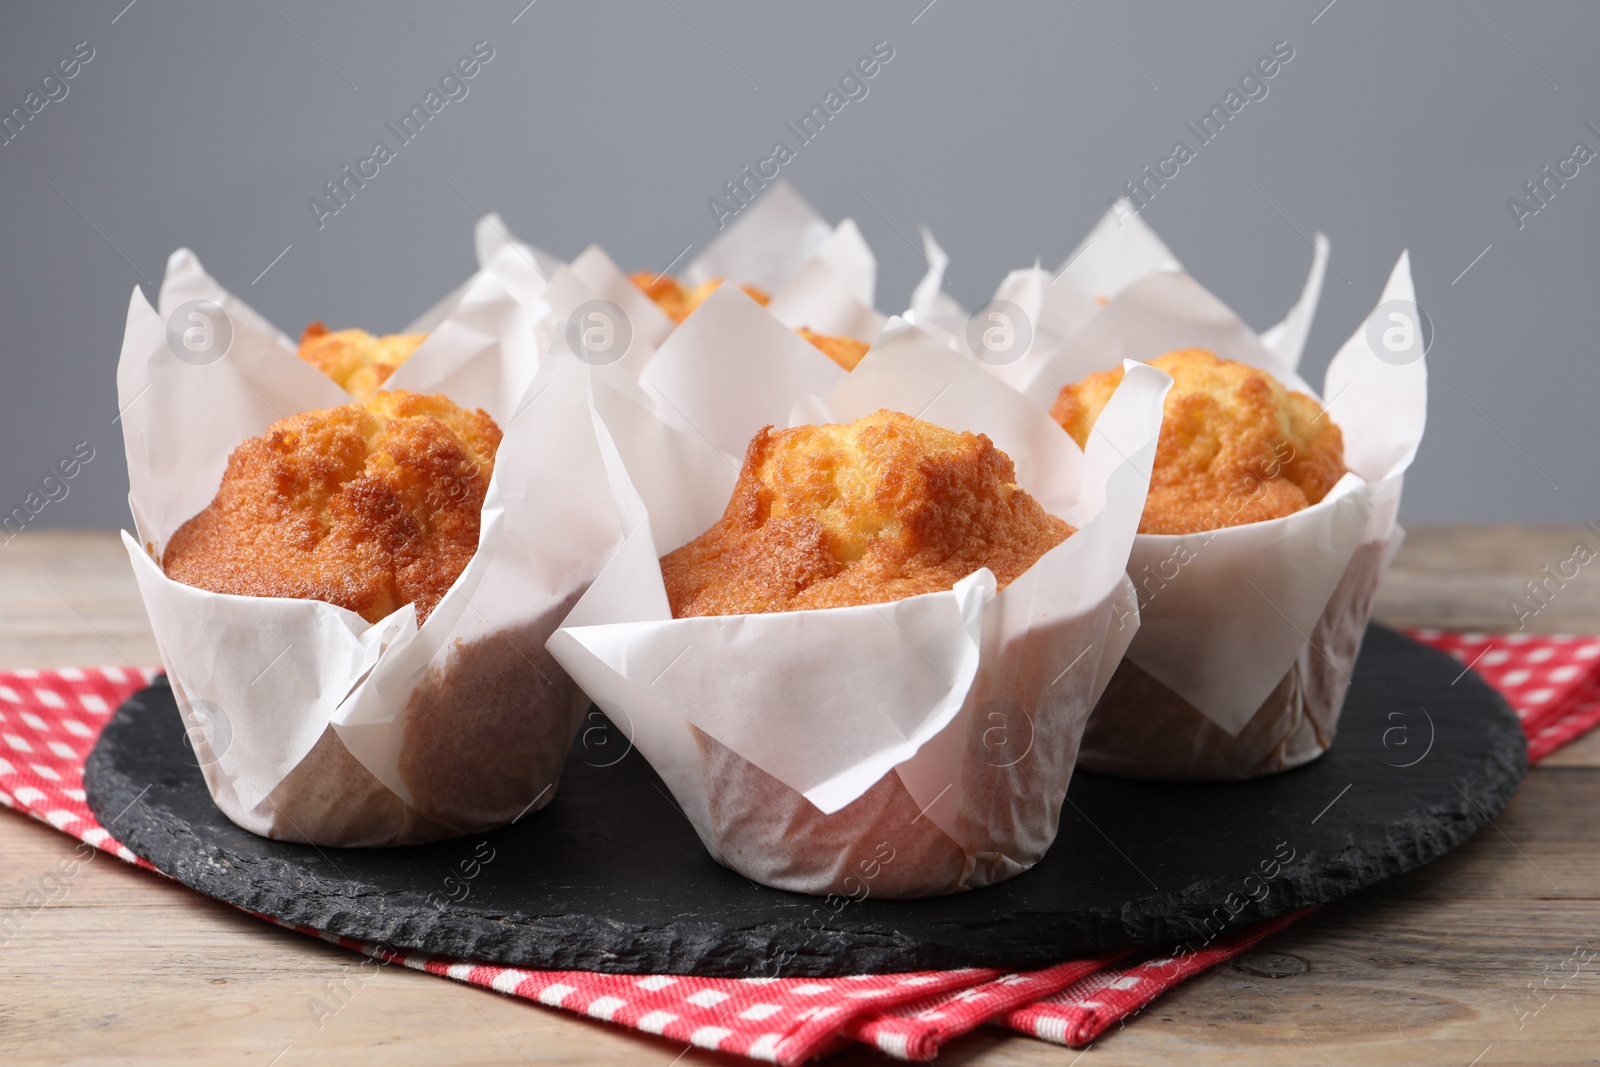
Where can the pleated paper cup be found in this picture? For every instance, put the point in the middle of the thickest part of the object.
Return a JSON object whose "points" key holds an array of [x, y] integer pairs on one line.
{"points": [[311, 724], [1249, 634], [905, 749]]}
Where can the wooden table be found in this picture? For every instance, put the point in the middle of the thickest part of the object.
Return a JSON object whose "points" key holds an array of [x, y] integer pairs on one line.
{"points": [[1430, 968]]}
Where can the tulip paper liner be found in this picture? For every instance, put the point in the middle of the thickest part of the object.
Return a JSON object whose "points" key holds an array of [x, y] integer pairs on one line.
{"points": [[806, 746], [1121, 249], [818, 276], [1248, 633], [317, 726]]}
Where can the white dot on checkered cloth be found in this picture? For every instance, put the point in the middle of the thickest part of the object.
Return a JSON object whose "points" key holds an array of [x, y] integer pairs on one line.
{"points": [[63, 750], [1564, 674], [1538, 696], [49, 698], [605, 1007], [552, 995], [764, 1047], [1587, 651], [62, 819], [34, 721], [709, 1036], [17, 743], [508, 981], [76, 728], [1539, 655], [811, 990], [894, 1043], [76, 794], [656, 1021], [47, 773], [1494, 657], [28, 795], [9, 694], [919, 979], [94, 703], [1128, 982], [95, 837], [1516, 677], [1051, 1028], [655, 981], [757, 1012], [1516, 639], [460, 971], [707, 998]]}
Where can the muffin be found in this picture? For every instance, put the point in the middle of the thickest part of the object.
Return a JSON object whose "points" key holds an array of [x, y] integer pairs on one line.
{"points": [[1236, 446], [368, 506], [876, 510], [869, 512], [357, 360]]}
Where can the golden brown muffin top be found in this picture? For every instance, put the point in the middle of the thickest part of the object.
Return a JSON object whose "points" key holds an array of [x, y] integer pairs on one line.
{"points": [[356, 359], [1235, 447], [369, 506], [867, 512], [670, 295], [845, 351]]}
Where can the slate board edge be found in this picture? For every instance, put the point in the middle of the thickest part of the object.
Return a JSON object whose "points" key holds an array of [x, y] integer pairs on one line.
{"points": [[565, 942]]}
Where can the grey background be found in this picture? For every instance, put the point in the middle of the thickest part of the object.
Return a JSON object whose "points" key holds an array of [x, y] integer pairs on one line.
{"points": [[1006, 128]]}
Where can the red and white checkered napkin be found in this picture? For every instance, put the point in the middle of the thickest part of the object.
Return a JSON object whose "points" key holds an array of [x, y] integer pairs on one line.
{"points": [[1553, 682], [49, 720]]}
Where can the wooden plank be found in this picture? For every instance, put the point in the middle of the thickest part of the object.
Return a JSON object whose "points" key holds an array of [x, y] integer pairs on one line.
{"points": [[71, 601], [1467, 577]]}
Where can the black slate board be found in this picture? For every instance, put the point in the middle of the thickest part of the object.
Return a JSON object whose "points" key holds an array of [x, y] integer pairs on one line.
{"points": [[610, 877]]}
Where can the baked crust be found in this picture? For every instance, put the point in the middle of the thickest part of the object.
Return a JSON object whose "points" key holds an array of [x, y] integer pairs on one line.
{"points": [[677, 301], [845, 351], [1236, 446], [369, 506], [872, 511], [359, 361]]}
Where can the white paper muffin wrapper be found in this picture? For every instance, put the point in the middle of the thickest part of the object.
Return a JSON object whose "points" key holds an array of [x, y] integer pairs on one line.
{"points": [[789, 738], [1121, 249], [1226, 614], [412, 733], [819, 276]]}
